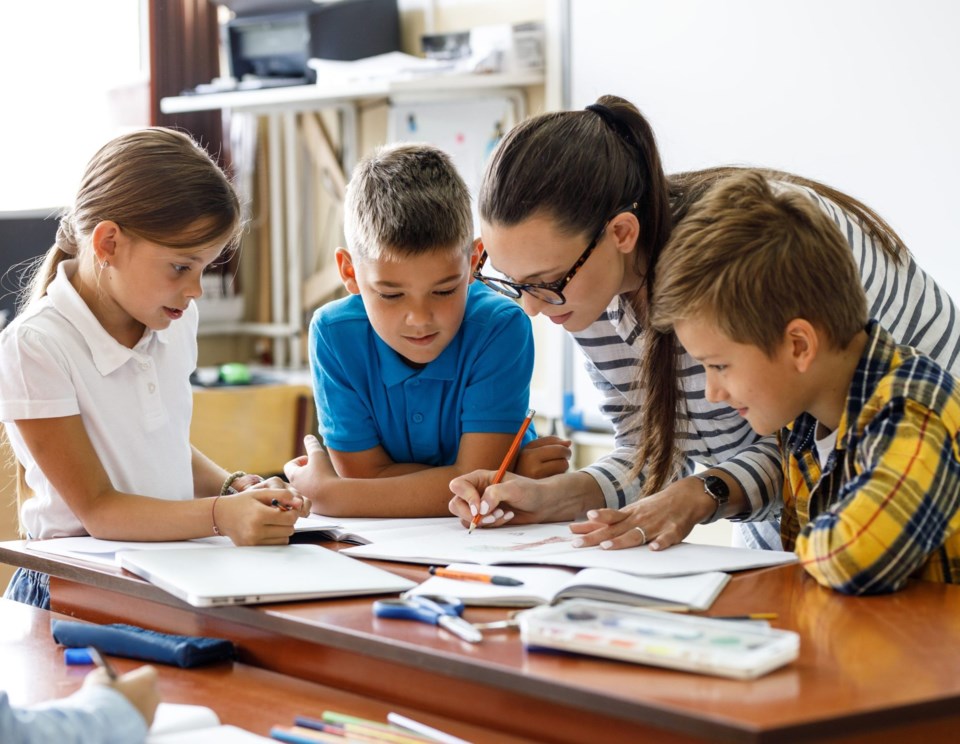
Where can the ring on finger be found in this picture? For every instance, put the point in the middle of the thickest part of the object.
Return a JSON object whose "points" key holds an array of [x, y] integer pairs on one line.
{"points": [[642, 534]]}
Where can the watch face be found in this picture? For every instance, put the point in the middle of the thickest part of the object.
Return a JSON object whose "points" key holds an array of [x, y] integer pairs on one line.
{"points": [[716, 487]]}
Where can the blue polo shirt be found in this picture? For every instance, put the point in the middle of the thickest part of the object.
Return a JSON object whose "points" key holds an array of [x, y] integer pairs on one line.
{"points": [[367, 395]]}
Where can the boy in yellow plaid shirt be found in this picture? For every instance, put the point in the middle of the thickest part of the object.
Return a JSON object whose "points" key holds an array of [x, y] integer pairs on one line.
{"points": [[759, 286]]}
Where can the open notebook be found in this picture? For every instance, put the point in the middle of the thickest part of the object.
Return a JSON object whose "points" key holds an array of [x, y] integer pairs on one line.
{"points": [[543, 585], [212, 577], [195, 724], [552, 545]]}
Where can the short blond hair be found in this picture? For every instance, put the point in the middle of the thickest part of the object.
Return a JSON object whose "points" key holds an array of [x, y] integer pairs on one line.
{"points": [[752, 256], [406, 200]]}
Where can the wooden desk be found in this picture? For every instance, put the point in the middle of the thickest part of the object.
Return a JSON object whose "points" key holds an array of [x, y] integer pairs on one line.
{"points": [[251, 698], [871, 669]]}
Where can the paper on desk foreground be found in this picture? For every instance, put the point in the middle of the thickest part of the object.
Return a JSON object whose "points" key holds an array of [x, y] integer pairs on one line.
{"points": [[105, 552], [195, 724], [443, 540], [551, 544]]}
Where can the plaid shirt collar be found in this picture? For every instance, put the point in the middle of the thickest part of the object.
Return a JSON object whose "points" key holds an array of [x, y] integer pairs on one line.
{"points": [[874, 365]]}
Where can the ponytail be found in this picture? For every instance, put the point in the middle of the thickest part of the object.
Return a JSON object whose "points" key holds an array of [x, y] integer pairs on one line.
{"points": [[44, 269]]}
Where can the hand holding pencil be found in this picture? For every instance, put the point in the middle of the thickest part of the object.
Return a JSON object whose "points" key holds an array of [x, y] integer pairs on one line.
{"points": [[508, 458]]}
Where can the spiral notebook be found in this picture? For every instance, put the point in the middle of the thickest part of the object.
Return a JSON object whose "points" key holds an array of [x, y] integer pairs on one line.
{"points": [[214, 577]]}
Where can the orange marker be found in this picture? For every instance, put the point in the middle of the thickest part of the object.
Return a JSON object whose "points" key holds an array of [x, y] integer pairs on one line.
{"points": [[511, 453]]}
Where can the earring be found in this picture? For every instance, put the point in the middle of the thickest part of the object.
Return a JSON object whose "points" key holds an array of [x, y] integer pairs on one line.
{"points": [[104, 264]]}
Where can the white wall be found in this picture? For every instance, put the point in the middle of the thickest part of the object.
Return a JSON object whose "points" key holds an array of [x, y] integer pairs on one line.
{"points": [[861, 94]]}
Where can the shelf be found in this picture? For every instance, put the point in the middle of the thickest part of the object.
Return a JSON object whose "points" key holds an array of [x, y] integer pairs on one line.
{"points": [[307, 97], [284, 110]]}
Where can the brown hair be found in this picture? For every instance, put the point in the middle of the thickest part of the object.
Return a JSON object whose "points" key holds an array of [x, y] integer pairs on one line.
{"points": [[751, 255], [577, 168], [406, 200], [157, 184]]}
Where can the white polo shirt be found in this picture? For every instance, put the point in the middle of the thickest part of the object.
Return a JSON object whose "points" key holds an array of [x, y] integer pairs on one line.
{"points": [[57, 360]]}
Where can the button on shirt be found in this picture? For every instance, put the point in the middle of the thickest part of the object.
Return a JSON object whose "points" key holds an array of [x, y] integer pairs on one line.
{"points": [[57, 360], [367, 395]]}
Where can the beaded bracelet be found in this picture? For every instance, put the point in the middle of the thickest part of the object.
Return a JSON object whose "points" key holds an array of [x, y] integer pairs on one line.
{"points": [[227, 486]]}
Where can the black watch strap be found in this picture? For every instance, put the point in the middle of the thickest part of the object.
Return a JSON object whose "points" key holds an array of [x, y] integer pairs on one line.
{"points": [[715, 487]]}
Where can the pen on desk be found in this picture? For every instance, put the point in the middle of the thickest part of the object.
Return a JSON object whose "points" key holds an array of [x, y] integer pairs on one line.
{"points": [[280, 506], [299, 735], [361, 728], [446, 573], [508, 458], [101, 662], [748, 616], [423, 729]]}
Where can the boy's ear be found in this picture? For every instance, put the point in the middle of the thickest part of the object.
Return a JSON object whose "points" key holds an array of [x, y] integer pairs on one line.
{"points": [[626, 231], [105, 240], [475, 257], [803, 343], [348, 272]]}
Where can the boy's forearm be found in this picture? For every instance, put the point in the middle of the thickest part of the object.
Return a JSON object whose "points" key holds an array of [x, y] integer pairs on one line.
{"points": [[421, 493]]}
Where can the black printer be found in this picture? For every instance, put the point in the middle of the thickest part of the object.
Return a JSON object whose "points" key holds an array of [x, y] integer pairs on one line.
{"points": [[271, 41]]}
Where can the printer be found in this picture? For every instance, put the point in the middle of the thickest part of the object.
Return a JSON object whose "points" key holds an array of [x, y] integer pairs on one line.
{"points": [[270, 41]]}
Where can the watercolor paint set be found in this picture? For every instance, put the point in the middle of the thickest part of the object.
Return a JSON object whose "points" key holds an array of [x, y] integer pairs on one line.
{"points": [[737, 649]]}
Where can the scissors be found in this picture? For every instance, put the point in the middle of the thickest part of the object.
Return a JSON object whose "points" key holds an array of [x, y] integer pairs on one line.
{"points": [[430, 609]]}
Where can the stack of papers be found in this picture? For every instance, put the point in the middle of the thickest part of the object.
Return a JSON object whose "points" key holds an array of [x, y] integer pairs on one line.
{"points": [[552, 545]]}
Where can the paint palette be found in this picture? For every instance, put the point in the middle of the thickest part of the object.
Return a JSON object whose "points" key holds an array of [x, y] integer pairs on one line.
{"points": [[742, 650]]}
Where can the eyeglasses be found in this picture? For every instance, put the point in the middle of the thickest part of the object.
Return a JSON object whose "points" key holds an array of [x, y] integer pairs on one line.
{"points": [[549, 292]]}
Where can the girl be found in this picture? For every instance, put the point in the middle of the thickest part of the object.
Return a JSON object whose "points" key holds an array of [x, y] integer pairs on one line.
{"points": [[94, 371], [564, 186]]}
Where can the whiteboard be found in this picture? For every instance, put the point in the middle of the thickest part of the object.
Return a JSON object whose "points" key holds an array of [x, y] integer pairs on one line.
{"points": [[861, 94]]}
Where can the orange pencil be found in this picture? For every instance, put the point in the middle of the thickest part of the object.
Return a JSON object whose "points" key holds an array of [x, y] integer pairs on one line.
{"points": [[511, 453]]}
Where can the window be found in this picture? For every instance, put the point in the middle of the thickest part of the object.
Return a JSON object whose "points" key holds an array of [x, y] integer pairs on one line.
{"points": [[74, 75]]}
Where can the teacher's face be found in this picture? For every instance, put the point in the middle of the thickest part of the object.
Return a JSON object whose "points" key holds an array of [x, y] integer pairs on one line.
{"points": [[535, 251]]}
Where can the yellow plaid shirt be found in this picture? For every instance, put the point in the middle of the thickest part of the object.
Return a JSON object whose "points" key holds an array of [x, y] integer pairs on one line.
{"points": [[886, 505]]}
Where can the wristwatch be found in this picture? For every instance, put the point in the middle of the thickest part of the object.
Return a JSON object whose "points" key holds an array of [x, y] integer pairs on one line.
{"points": [[716, 488]]}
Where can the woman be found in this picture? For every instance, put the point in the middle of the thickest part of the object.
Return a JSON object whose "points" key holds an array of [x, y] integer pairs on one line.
{"points": [[575, 211]]}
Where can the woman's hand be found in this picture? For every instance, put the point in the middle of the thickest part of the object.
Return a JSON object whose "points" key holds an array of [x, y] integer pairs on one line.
{"points": [[520, 500], [543, 457], [659, 520]]}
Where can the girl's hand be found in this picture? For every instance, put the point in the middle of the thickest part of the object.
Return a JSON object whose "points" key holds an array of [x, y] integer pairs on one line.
{"points": [[138, 686], [264, 514], [544, 457]]}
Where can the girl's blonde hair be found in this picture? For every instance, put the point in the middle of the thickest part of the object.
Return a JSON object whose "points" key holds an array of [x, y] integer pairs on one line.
{"points": [[157, 184]]}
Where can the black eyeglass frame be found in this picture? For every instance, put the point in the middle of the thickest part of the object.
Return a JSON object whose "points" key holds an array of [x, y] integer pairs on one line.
{"points": [[553, 291]]}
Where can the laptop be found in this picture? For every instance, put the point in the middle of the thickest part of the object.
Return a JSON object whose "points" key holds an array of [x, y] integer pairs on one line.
{"points": [[229, 575]]}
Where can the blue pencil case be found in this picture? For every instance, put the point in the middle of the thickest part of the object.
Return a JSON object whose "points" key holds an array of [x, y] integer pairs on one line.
{"points": [[139, 643]]}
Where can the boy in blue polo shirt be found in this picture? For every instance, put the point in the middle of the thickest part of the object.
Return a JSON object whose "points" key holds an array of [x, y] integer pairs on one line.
{"points": [[420, 375]]}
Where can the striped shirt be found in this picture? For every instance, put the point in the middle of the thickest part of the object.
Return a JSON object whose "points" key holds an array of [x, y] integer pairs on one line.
{"points": [[885, 506], [901, 296]]}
